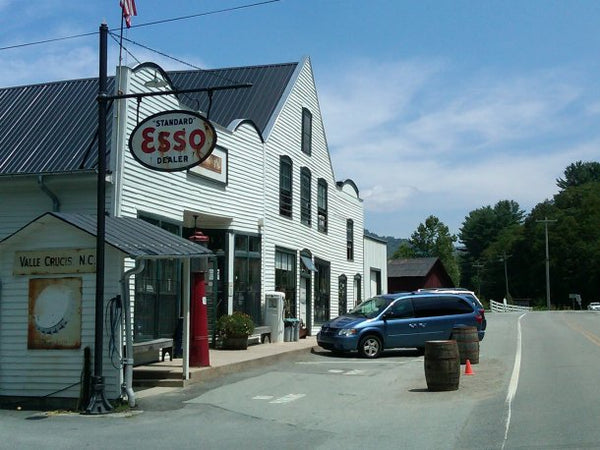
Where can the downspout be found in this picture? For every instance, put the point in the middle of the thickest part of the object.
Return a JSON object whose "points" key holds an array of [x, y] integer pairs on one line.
{"points": [[49, 193], [128, 360]]}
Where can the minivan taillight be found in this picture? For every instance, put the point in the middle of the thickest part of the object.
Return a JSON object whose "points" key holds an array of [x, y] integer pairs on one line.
{"points": [[480, 316]]}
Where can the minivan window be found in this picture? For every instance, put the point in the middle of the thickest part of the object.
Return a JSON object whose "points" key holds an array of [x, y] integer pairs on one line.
{"points": [[440, 306], [459, 306], [402, 309], [370, 308]]}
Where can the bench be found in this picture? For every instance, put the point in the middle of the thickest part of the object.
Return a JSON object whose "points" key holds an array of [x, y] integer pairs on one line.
{"points": [[152, 351], [260, 334]]}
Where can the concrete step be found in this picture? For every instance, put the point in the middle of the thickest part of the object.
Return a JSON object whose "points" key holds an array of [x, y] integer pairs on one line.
{"points": [[153, 382]]}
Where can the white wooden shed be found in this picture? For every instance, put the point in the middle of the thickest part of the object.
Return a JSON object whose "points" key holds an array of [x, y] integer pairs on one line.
{"points": [[47, 301]]}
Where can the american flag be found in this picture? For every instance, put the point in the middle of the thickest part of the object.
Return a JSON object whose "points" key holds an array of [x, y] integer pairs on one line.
{"points": [[129, 10]]}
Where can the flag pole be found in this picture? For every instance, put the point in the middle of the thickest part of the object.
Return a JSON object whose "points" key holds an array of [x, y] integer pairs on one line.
{"points": [[121, 41]]}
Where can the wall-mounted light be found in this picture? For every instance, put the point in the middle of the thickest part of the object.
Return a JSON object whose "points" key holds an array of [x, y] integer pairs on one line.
{"points": [[155, 82]]}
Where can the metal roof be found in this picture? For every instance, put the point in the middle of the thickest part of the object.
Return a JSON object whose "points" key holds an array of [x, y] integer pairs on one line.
{"points": [[135, 237], [257, 103], [52, 127], [410, 267]]}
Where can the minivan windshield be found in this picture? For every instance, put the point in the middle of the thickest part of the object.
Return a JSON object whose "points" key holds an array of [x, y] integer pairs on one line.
{"points": [[370, 308]]}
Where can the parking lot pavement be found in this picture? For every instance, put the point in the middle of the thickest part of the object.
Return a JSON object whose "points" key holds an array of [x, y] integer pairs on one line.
{"points": [[223, 362]]}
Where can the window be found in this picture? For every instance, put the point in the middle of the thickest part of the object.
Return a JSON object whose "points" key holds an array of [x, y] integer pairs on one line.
{"points": [[157, 291], [322, 205], [285, 186], [305, 194], [306, 131], [343, 294], [357, 289], [350, 240], [402, 309], [440, 306], [246, 276], [285, 279]]}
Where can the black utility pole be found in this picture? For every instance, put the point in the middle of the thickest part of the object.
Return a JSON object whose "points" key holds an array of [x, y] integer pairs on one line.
{"points": [[98, 402], [546, 221]]}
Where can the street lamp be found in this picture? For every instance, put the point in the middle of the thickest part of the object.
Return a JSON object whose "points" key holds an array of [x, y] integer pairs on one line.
{"points": [[504, 258], [478, 266]]}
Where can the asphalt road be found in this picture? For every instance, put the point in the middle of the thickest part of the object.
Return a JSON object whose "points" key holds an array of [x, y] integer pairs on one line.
{"points": [[536, 386]]}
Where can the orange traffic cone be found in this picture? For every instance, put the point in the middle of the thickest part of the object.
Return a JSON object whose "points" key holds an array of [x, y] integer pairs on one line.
{"points": [[468, 369]]}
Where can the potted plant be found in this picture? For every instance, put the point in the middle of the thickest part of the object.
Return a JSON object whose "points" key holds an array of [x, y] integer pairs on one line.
{"points": [[234, 330]]}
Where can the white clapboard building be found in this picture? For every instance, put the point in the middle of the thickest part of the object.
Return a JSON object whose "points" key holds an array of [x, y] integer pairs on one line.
{"points": [[266, 205]]}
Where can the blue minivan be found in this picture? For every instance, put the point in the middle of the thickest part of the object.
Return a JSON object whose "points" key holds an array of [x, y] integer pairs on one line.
{"points": [[402, 320]]}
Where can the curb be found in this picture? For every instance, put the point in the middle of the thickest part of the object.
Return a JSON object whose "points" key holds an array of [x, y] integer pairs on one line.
{"points": [[212, 372]]}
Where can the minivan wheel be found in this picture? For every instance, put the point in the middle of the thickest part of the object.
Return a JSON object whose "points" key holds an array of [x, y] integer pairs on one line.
{"points": [[370, 346]]}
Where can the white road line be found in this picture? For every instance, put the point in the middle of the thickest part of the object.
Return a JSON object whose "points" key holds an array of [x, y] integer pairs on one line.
{"points": [[351, 361], [354, 372], [514, 379], [288, 398]]}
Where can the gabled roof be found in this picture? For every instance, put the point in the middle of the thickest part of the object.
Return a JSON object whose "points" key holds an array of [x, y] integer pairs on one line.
{"points": [[135, 237], [256, 104], [51, 127], [410, 267]]}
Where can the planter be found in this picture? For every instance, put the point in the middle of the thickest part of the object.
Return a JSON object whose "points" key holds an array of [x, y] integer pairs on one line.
{"points": [[235, 343]]}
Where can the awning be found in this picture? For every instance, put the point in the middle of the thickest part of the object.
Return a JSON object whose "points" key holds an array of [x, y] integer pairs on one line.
{"points": [[310, 265], [134, 237]]}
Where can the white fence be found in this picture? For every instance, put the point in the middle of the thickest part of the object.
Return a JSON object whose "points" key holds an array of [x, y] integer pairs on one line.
{"points": [[503, 307]]}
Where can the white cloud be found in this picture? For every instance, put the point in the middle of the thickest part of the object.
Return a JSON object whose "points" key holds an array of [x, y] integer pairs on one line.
{"points": [[363, 96], [432, 144]]}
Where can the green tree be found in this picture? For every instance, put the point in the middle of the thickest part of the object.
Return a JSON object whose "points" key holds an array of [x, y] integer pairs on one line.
{"points": [[574, 246], [433, 238], [404, 250], [486, 234], [579, 173]]}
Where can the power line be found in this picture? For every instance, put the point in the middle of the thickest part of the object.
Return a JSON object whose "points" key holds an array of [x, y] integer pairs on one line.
{"points": [[158, 52], [216, 75], [47, 41], [193, 16], [123, 47], [158, 22]]}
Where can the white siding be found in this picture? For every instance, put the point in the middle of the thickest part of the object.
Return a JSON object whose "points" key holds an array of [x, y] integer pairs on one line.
{"points": [[169, 195], [22, 200], [279, 231], [375, 260], [251, 195], [37, 373]]}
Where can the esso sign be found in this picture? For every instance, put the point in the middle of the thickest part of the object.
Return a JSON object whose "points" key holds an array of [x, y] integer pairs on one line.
{"points": [[172, 140]]}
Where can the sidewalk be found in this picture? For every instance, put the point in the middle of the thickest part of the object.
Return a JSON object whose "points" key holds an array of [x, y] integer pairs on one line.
{"points": [[166, 376]]}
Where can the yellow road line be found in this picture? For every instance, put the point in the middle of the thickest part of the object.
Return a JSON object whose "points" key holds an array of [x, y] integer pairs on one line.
{"points": [[588, 334]]}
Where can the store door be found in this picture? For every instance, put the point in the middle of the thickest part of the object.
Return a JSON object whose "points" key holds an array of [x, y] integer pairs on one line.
{"points": [[305, 304]]}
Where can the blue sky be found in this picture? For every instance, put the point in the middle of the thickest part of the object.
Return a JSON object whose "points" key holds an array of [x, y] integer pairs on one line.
{"points": [[431, 107]]}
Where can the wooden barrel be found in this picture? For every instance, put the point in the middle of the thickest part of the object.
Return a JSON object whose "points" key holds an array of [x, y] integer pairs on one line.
{"points": [[442, 365], [467, 339]]}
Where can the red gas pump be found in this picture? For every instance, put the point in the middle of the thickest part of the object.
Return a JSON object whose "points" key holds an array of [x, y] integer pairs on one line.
{"points": [[199, 356]]}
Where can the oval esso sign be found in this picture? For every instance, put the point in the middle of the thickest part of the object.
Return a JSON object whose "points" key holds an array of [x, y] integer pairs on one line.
{"points": [[172, 140]]}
